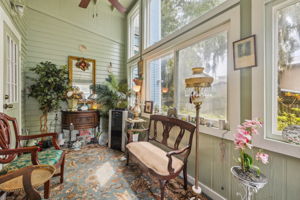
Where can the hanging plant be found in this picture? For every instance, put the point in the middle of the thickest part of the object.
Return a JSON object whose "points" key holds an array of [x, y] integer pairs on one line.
{"points": [[49, 88]]}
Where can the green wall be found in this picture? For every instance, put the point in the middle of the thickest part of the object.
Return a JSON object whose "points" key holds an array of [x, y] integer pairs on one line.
{"points": [[51, 31], [56, 29]]}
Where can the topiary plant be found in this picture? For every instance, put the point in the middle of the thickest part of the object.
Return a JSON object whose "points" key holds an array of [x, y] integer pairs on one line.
{"points": [[49, 88]]}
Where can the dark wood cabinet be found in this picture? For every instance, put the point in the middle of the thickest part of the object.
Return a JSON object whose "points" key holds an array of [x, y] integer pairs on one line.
{"points": [[81, 119]]}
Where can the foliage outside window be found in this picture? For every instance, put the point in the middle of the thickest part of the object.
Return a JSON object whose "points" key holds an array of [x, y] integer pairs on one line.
{"points": [[162, 82], [134, 33], [168, 16], [133, 75], [287, 65], [210, 53]]}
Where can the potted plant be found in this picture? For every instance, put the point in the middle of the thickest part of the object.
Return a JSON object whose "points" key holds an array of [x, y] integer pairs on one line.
{"points": [[110, 95], [247, 173], [139, 80], [49, 88]]}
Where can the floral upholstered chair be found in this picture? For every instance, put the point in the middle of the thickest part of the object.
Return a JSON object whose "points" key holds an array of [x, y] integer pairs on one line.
{"points": [[14, 157]]}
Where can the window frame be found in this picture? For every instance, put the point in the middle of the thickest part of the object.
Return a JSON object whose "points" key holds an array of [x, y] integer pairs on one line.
{"points": [[147, 74], [260, 77], [192, 25], [229, 18], [5, 20], [134, 11], [130, 66], [210, 34]]}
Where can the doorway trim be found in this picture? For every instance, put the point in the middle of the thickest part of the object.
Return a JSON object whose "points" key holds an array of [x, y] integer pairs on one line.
{"points": [[6, 19]]}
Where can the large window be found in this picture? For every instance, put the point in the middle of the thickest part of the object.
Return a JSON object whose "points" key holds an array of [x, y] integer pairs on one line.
{"points": [[210, 53], [166, 16], [285, 67], [161, 82], [134, 32]]}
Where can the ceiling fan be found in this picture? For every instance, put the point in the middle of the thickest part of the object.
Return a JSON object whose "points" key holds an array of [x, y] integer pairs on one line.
{"points": [[115, 3]]}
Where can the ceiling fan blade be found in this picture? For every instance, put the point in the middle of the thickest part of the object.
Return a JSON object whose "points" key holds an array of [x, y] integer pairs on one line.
{"points": [[118, 6], [84, 3]]}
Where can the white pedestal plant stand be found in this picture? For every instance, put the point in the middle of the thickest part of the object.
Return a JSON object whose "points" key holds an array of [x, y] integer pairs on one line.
{"points": [[250, 182]]}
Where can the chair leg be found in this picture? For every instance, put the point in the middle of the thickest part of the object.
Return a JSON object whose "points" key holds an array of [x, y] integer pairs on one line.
{"points": [[185, 176], [127, 159], [62, 169], [47, 190], [162, 189]]}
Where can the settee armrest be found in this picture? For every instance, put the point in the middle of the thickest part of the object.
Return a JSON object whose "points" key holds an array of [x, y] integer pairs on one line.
{"points": [[33, 150], [53, 135], [172, 153]]}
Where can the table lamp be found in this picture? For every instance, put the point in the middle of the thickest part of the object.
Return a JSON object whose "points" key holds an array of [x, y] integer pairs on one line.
{"points": [[136, 109], [198, 83]]}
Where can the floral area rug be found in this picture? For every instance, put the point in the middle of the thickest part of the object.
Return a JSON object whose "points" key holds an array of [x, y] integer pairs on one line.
{"points": [[97, 172]]}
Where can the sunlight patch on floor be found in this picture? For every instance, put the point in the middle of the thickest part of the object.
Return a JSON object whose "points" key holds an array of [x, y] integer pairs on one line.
{"points": [[104, 173]]}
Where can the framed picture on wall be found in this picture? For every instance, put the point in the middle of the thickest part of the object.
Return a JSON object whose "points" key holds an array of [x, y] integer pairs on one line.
{"points": [[244, 53], [148, 107]]}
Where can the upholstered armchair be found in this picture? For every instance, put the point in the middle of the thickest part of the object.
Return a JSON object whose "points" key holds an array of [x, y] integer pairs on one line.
{"points": [[15, 158]]}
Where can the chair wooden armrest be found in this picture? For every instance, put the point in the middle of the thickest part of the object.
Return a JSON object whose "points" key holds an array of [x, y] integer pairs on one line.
{"points": [[25, 174], [32, 150], [53, 135], [177, 152]]}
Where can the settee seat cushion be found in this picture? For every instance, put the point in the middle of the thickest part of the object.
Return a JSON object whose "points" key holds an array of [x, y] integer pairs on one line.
{"points": [[153, 157], [47, 157]]}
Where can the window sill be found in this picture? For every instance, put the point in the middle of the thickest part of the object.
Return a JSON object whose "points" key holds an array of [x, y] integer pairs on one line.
{"points": [[133, 58], [259, 141], [224, 134], [277, 146]]}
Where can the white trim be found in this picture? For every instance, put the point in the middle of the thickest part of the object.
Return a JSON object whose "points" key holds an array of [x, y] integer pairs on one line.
{"points": [[4, 18], [206, 190], [259, 85], [134, 11]]}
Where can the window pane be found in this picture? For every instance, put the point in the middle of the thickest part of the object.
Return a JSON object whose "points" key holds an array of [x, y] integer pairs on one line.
{"points": [[135, 33], [162, 83], [133, 74], [212, 55], [288, 66], [167, 16]]}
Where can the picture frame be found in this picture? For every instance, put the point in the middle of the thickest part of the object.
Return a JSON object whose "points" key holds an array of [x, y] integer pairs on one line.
{"points": [[244, 53], [148, 108], [82, 72]]}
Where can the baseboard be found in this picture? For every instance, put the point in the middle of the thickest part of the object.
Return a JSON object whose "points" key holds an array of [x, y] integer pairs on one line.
{"points": [[205, 189]]}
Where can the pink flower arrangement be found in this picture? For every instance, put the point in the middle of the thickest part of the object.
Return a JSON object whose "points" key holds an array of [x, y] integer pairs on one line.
{"points": [[243, 140], [263, 157], [243, 137]]}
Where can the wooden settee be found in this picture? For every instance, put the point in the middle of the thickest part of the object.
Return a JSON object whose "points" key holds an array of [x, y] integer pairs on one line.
{"points": [[168, 133]]}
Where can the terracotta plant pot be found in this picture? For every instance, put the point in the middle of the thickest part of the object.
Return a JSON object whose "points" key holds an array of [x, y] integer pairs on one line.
{"points": [[138, 82]]}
